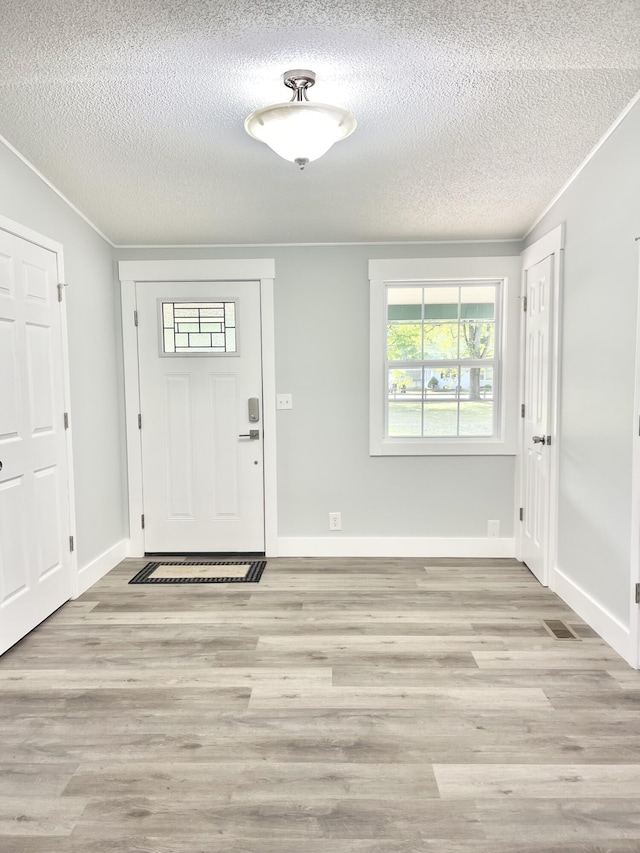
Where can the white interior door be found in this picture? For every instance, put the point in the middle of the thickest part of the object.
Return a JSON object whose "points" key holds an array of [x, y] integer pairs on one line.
{"points": [[34, 506], [536, 453], [199, 348]]}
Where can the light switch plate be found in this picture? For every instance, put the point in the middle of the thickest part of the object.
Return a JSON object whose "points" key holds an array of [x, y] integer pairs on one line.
{"points": [[284, 401]]}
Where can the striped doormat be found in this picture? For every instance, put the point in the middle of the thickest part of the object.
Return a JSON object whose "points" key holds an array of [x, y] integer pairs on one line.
{"points": [[200, 572]]}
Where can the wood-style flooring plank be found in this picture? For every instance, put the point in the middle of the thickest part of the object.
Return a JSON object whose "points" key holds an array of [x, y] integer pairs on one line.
{"points": [[258, 781], [548, 820], [133, 678], [208, 843], [45, 816], [290, 818], [384, 698], [29, 780], [544, 781]]}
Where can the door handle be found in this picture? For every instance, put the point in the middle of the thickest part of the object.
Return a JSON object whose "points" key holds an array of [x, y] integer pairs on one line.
{"points": [[539, 439], [253, 434]]}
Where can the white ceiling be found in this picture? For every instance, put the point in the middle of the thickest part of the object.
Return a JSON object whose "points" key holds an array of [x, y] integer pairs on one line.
{"points": [[471, 113]]}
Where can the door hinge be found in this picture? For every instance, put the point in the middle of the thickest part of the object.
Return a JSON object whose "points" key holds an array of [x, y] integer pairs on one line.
{"points": [[139, 421], [521, 513], [60, 286], [522, 410], [524, 303], [142, 521], [66, 420], [135, 318], [638, 593], [71, 544]]}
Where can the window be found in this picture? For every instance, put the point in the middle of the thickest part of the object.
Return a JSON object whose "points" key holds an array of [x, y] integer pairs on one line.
{"points": [[442, 359], [441, 376], [198, 327]]}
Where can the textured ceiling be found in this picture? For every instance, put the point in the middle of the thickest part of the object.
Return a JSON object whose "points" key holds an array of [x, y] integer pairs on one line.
{"points": [[471, 113]]}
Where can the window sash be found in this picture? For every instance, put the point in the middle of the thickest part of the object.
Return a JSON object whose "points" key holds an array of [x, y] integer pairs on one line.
{"points": [[429, 398], [458, 363]]}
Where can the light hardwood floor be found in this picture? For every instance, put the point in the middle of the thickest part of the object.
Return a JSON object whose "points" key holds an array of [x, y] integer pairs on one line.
{"points": [[338, 706]]}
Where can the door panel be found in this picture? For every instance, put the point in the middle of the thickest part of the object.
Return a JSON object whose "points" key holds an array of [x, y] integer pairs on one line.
{"points": [[178, 443], [41, 392], [34, 502], [47, 514], [10, 409], [13, 539], [536, 454], [225, 403], [203, 484]]}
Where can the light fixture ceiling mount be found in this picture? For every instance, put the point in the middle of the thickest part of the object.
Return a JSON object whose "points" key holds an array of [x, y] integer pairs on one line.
{"points": [[300, 131], [299, 80]]}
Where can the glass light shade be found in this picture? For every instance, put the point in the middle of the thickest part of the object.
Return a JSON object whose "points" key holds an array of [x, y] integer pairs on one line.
{"points": [[300, 130]]}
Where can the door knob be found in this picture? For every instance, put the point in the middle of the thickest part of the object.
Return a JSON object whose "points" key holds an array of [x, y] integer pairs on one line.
{"points": [[539, 439], [253, 434]]}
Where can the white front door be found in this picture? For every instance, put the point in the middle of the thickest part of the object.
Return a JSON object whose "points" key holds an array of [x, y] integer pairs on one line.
{"points": [[536, 452], [34, 500], [199, 350]]}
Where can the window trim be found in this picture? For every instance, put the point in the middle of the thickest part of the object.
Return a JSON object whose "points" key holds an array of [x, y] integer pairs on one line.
{"points": [[507, 271]]}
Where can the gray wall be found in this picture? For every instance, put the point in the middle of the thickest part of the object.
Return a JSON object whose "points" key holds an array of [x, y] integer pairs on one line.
{"points": [[601, 211], [322, 358], [94, 354]]}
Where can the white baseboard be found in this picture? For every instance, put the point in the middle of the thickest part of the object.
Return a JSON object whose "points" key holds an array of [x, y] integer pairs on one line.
{"points": [[350, 546], [594, 614], [98, 568]]}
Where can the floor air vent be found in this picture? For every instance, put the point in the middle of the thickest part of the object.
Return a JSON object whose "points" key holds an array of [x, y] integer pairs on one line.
{"points": [[559, 630]]}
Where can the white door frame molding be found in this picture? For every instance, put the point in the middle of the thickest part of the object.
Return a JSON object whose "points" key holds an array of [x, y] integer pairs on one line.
{"points": [[37, 239], [634, 617], [139, 272], [551, 244]]}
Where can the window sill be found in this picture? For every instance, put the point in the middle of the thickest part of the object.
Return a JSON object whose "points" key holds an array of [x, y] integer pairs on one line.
{"points": [[444, 447]]}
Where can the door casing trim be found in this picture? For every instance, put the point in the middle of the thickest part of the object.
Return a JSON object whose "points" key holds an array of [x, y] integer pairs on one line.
{"points": [[551, 243], [260, 270], [634, 610]]}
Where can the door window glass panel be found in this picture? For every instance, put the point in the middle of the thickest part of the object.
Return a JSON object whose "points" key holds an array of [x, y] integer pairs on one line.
{"points": [[199, 327]]}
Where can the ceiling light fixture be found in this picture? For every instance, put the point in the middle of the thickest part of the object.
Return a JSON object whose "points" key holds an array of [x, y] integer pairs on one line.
{"points": [[300, 131]]}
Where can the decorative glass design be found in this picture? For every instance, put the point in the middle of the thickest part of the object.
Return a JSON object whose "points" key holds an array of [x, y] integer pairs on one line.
{"points": [[204, 327]]}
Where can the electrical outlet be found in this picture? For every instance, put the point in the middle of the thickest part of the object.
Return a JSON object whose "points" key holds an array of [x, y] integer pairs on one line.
{"points": [[493, 529], [335, 521]]}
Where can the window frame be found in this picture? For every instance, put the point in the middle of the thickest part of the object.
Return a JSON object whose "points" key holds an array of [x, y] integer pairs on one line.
{"points": [[506, 271]]}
